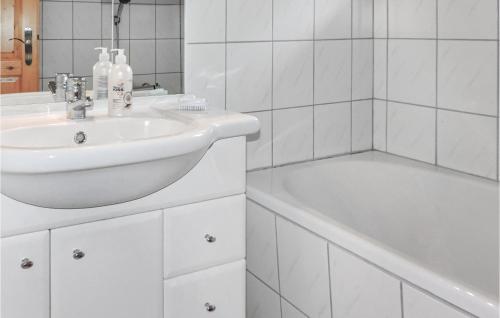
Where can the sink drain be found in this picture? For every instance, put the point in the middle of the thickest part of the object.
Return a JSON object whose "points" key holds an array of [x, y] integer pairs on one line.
{"points": [[80, 137]]}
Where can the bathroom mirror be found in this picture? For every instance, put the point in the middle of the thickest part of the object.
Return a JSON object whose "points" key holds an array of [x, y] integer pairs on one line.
{"points": [[41, 38]]}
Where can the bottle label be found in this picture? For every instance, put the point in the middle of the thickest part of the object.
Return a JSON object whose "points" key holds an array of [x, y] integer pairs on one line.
{"points": [[122, 96], [101, 91]]}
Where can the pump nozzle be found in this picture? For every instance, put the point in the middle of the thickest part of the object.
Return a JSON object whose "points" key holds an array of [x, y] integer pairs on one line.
{"points": [[103, 56], [120, 57]]}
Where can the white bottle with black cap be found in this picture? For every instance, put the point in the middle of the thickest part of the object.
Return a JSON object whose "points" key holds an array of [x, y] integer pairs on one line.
{"points": [[100, 75], [120, 86]]}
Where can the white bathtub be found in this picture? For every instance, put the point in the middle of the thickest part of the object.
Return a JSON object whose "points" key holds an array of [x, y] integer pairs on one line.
{"points": [[432, 227]]}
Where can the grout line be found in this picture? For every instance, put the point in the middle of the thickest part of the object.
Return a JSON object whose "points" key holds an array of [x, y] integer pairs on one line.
{"points": [[313, 83], [387, 78], [225, 55], [277, 253], [329, 277], [436, 77], [352, 47], [272, 87]]}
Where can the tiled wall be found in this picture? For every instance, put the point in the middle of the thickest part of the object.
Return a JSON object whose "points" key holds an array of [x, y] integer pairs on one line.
{"points": [[436, 82], [150, 32], [303, 67]]}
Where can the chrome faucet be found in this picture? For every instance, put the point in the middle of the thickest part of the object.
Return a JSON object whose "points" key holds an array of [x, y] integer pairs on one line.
{"points": [[58, 86], [77, 101]]}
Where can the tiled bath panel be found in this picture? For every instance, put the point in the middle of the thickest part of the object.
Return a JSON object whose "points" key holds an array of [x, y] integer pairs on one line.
{"points": [[150, 32], [293, 273]]}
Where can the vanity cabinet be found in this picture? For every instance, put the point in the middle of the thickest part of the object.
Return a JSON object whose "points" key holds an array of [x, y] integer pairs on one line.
{"points": [[110, 268], [25, 276]]}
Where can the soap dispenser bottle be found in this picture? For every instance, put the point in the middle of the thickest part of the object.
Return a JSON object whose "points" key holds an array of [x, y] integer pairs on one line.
{"points": [[100, 74], [120, 86]]}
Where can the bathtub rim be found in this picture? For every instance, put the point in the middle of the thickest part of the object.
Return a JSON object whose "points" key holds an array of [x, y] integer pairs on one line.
{"points": [[450, 292]]}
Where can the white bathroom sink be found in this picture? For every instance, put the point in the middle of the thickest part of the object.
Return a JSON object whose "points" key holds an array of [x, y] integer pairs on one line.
{"points": [[50, 161]]}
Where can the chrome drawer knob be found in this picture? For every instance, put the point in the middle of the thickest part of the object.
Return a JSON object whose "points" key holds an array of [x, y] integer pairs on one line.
{"points": [[210, 238], [26, 263], [209, 307], [77, 254]]}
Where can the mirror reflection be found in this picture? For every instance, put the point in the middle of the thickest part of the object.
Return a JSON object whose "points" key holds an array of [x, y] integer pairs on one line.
{"points": [[43, 38]]}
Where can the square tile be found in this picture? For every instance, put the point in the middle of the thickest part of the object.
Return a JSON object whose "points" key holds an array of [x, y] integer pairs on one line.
{"points": [[249, 20], [380, 69], [260, 145], [332, 71], [142, 22], [142, 56], [86, 20], [332, 19], [85, 56], [293, 19], [106, 24], [362, 69], [467, 76], [205, 21], [303, 268], [412, 19], [171, 82], [292, 135], [205, 73], [362, 120], [362, 289], [57, 20], [262, 255], [140, 80], [468, 143], [56, 58], [169, 1], [168, 23], [412, 71], [249, 76], [362, 18], [290, 311], [168, 56], [411, 131], [380, 18], [468, 19], [293, 74], [123, 44], [379, 125], [332, 129], [262, 301]]}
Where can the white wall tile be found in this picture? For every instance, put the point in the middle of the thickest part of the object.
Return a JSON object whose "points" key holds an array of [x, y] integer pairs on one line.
{"points": [[262, 258], [362, 69], [142, 23], [205, 21], [139, 80], [249, 76], [379, 125], [411, 131], [293, 135], [142, 56], [362, 18], [259, 145], [362, 120], [332, 129], [332, 19], [380, 69], [168, 23], [412, 18], [466, 79], [168, 56], [56, 58], [289, 311], [332, 71], [412, 71], [380, 18], [360, 289], [303, 265], [205, 73], [293, 19], [417, 305], [86, 20], [249, 20], [468, 143], [171, 81], [85, 56], [54, 15], [293, 74], [106, 22], [466, 19], [262, 302]]}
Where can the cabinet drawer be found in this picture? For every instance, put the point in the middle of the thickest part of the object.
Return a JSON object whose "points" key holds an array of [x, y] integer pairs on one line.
{"points": [[218, 292], [201, 235]]}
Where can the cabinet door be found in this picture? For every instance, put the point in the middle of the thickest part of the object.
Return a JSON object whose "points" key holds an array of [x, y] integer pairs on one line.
{"points": [[108, 269], [25, 276]]}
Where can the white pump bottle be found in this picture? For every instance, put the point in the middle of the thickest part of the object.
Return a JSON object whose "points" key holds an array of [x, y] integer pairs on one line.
{"points": [[120, 86], [100, 74]]}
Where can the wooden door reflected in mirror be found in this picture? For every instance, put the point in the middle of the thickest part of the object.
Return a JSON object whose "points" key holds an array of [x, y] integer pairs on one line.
{"points": [[19, 61]]}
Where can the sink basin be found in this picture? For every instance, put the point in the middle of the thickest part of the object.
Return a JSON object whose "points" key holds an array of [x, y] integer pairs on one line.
{"points": [[59, 163]]}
